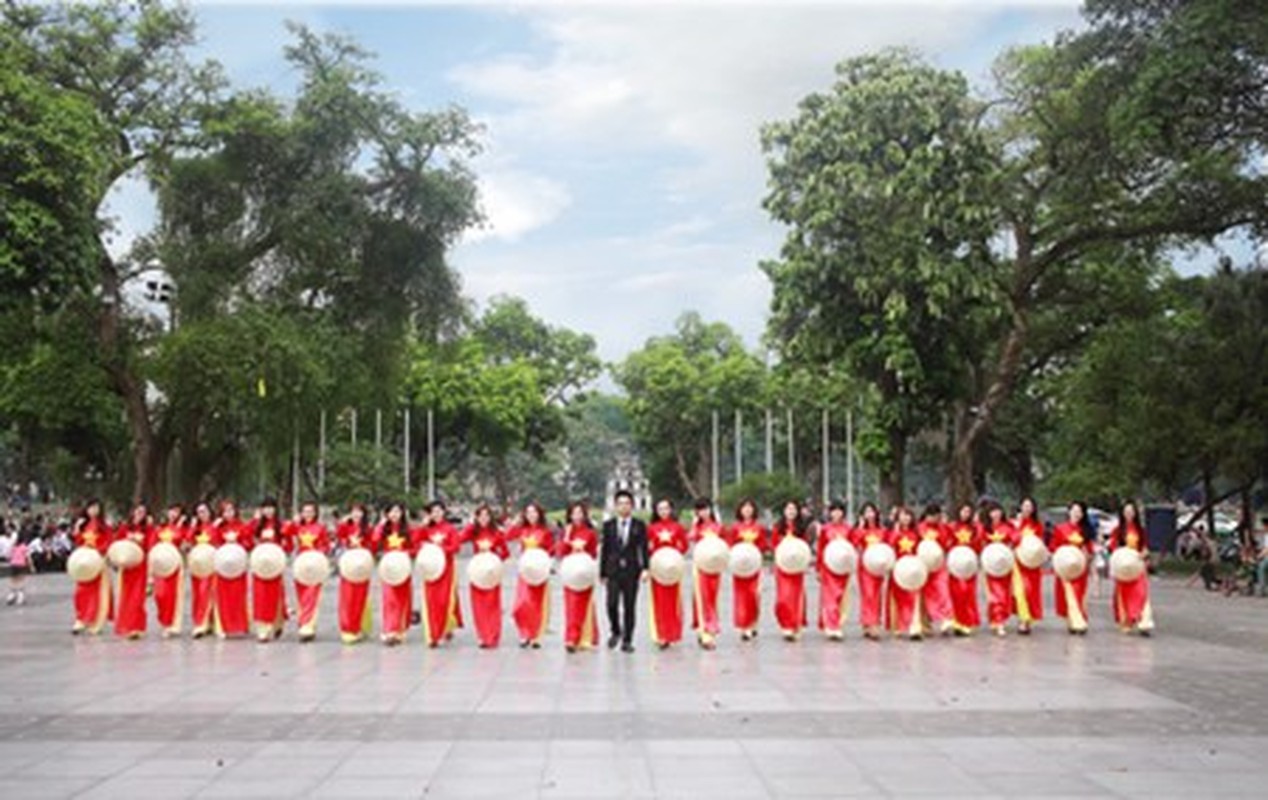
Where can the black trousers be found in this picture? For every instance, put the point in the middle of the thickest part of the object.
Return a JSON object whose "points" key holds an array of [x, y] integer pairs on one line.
{"points": [[622, 597]]}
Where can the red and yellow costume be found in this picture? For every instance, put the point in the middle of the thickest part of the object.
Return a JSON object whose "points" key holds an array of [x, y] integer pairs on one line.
{"points": [[268, 595], [999, 591], [92, 598], [129, 616], [580, 630], [790, 589], [202, 591], [746, 593], [486, 604], [531, 610], [356, 618], [1070, 597], [834, 596], [1131, 598], [1027, 582], [398, 601], [169, 592], [441, 612], [302, 537], [935, 597], [704, 590], [666, 600], [871, 587], [230, 609], [965, 613], [903, 608]]}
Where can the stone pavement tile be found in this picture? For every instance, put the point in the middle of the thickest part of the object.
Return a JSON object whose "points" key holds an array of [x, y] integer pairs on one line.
{"points": [[276, 768], [691, 784], [861, 750], [400, 750], [781, 766], [1209, 783], [924, 777], [306, 749], [828, 783], [203, 768], [78, 766], [493, 764], [365, 787], [47, 786], [231, 788], [518, 749], [1045, 785], [592, 748], [597, 777], [690, 748], [516, 785], [808, 748], [376, 768], [159, 788], [110, 749]]}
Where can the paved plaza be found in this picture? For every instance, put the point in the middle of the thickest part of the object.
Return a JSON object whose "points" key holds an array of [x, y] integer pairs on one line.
{"points": [[1183, 714]]}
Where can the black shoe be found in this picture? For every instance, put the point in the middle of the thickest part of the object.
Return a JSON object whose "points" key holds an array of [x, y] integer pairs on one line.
{"points": [[415, 618], [613, 641], [627, 648]]}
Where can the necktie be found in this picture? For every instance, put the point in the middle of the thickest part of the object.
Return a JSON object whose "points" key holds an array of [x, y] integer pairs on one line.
{"points": [[625, 531]]}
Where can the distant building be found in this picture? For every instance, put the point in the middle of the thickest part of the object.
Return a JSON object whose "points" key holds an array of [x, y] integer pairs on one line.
{"points": [[627, 474]]}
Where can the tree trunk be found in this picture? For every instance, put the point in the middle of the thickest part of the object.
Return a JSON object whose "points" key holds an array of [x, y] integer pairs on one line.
{"points": [[684, 474], [1248, 517], [501, 480], [1208, 497], [960, 472], [146, 458], [891, 473]]}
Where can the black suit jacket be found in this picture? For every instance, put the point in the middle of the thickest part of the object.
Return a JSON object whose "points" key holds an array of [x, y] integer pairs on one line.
{"points": [[617, 562]]}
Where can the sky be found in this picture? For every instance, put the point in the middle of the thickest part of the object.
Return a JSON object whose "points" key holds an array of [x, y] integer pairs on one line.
{"points": [[621, 175]]}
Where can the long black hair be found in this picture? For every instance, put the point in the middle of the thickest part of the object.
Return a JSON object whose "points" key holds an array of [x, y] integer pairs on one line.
{"points": [[863, 509], [781, 523], [1085, 521]]}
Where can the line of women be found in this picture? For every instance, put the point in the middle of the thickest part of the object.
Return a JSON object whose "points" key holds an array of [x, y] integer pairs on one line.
{"points": [[915, 577]]}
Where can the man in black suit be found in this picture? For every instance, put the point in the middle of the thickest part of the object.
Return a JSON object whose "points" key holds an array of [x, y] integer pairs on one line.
{"points": [[622, 564]]}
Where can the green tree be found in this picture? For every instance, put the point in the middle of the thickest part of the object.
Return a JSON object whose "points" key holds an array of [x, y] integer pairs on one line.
{"points": [[1095, 168], [502, 385], [1176, 397], [882, 182], [324, 221], [674, 384]]}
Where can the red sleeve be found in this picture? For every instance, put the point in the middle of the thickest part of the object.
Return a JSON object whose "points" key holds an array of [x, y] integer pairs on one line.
{"points": [[1011, 534], [287, 534], [467, 535], [681, 540], [1113, 540], [246, 536], [499, 545], [1060, 534], [453, 541]]}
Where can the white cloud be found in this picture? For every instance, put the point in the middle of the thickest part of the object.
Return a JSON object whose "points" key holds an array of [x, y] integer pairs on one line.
{"points": [[696, 76], [516, 202], [680, 93]]}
